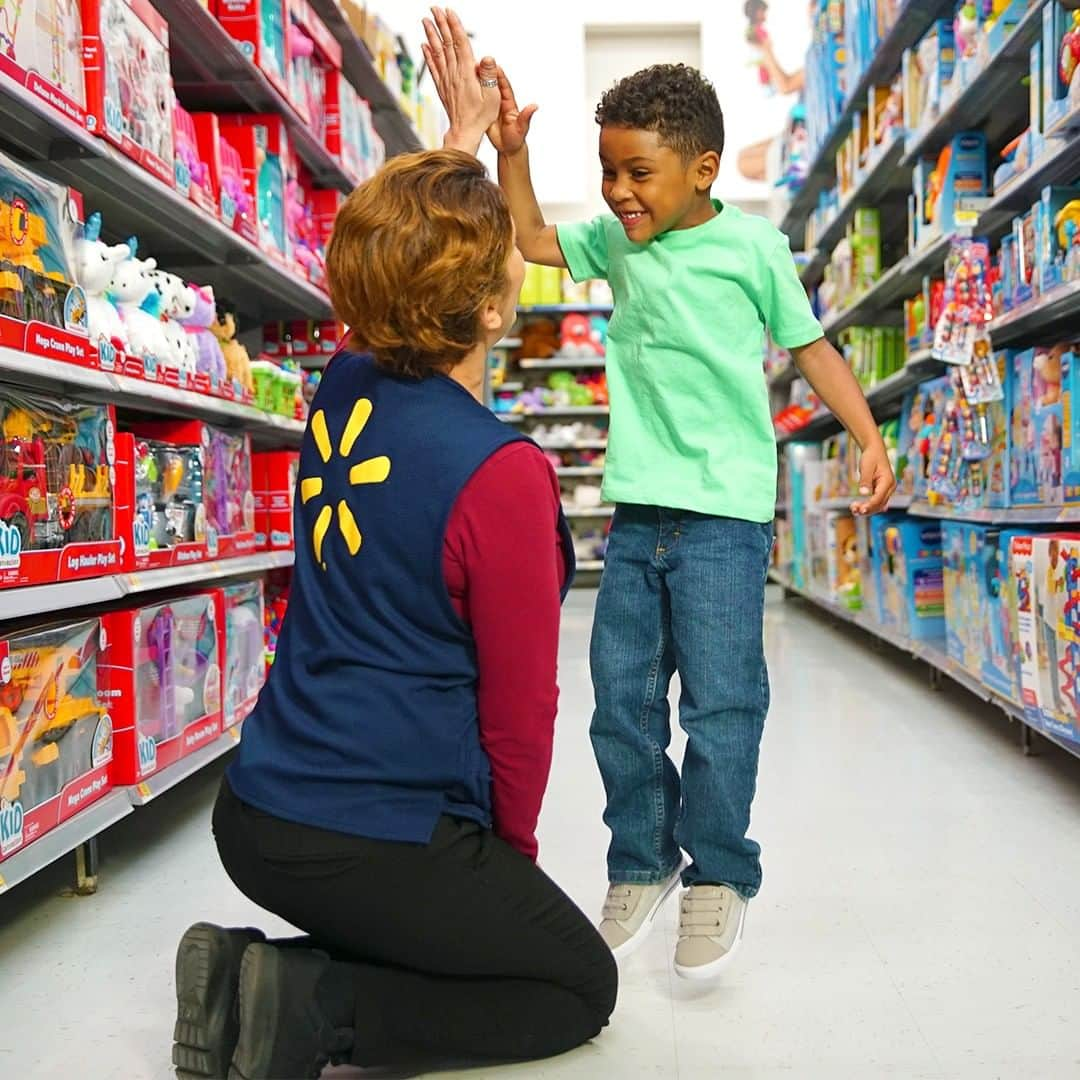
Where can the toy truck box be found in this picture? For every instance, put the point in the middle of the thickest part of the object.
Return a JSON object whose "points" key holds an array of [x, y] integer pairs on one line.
{"points": [[56, 737]]}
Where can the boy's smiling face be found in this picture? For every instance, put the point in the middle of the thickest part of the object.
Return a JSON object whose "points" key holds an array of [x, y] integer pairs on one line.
{"points": [[651, 188]]}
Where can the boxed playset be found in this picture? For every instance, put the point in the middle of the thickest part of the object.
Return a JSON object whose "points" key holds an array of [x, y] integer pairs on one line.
{"points": [[961, 547], [927, 69], [266, 158], [245, 652], [57, 471], [193, 175], [865, 559], [274, 480], [259, 27], [41, 49], [56, 739], [129, 91], [1037, 428], [350, 129], [1060, 54], [910, 583], [960, 172], [236, 200], [313, 53], [997, 613], [164, 665]]}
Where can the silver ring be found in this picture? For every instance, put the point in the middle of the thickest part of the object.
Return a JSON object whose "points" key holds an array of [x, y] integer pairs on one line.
{"points": [[489, 83]]}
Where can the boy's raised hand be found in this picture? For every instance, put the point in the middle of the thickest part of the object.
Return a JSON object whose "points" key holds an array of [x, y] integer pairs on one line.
{"points": [[508, 133], [471, 105]]}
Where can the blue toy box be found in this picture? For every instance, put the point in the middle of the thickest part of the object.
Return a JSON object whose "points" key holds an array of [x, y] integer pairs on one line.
{"points": [[997, 613], [1070, 441], [1035, 460], [910, 584], [961, 544]]}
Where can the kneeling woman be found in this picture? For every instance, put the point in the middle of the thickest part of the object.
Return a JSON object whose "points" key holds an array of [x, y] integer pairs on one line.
{"points": [[387, 787]]}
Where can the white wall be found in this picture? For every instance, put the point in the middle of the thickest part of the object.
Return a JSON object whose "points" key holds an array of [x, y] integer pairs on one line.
{"points": [[542, 48]]}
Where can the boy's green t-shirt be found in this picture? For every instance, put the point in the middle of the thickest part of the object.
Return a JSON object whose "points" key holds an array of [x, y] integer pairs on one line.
{"points": [[690, 422]]}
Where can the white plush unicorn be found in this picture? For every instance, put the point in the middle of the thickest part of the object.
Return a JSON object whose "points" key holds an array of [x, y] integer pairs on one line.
{"points": [[95, 264]]}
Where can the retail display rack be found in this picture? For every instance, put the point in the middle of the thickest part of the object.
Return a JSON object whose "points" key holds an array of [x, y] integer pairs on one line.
{"points": [[999, 104], [93, 525]]}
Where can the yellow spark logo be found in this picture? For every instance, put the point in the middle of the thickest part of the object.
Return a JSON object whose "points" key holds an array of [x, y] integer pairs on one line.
{"points": [[371, 471]]}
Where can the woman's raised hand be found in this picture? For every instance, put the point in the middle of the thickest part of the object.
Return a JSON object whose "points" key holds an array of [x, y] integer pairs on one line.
{"points": [[469, 93], [508, 133]]}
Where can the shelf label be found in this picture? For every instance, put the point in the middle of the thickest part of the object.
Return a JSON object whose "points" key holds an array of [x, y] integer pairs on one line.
{"points": [[144, 790]]}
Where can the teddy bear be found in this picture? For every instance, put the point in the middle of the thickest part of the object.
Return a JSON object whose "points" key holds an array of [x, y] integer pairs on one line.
{"points": [[539, 339], [237, 361]]}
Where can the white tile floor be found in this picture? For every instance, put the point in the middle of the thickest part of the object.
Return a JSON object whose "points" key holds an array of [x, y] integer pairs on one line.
{"points": [[920, 917]]}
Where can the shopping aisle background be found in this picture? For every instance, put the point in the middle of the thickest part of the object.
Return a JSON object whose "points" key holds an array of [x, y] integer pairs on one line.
{"points": [[919, 916]]}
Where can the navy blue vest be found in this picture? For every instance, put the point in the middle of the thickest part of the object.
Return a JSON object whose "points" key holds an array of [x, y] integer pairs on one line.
{"points": [[368, 722]]}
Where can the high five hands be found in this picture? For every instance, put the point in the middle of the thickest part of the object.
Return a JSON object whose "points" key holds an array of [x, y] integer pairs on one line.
{"points": [[478, 98]]}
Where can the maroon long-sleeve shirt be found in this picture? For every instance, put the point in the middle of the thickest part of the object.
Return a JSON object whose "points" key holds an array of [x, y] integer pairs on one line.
{"points": [[504, 568]]}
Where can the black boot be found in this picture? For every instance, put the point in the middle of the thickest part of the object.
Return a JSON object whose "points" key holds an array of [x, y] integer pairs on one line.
{"points": [[287, 1021], [207, 1016]]}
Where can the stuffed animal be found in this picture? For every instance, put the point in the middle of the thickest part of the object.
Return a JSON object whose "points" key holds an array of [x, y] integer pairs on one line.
{"points": [[539, 339], [95, 264], [132, 288], [237, 361], [577, 339], [170, 290], [196, 312]]}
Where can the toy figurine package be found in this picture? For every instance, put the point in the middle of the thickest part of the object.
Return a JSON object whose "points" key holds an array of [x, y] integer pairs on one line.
{"points": [[56, 490], [56, 737], [128, 81], [245, 654], [164, 664], [1037, 428], [41, 49]]}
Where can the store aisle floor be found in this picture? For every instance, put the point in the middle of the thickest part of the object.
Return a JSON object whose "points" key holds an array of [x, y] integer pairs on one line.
{"points": [[919, 917]]}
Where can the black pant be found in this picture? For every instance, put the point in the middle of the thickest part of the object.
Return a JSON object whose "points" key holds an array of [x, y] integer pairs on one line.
{"points": [[458, 950]]}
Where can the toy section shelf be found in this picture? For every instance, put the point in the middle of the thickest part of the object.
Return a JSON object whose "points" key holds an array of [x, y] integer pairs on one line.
{"points": [[1054, 311], [210, 72], [589, 511], [565, 309], [159, 783], [17, 603], [931, 655], [558, 363], [148, 397], [133, 202], [397, 130], [911, 23]]}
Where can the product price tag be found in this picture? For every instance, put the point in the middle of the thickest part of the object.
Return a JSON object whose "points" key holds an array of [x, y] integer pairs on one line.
{"points": [[234, 733], [144, 790]]}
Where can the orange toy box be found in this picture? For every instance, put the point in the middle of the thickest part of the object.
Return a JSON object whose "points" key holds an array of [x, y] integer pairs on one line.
{"points": [[227, 493], [57, 478], [273, 476], [159, 501], [163, 665], [56, 738], [129, 91]]}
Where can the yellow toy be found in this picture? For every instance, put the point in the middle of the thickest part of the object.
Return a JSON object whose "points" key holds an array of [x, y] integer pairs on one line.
{"points": [[237, 360]]}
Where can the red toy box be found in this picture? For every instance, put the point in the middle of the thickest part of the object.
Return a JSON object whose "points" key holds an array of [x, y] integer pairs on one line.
{"points": [[245, 654], [274, 480], [226, 481], [259, 29], [129, 93], [57, 476], [56, 737], [193, 176], [314, 52], [236, 201], [266, 157], [159, 504], [163, 669]]}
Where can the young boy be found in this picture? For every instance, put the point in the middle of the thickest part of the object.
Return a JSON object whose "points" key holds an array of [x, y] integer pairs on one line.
{"points": [[691, 465]]}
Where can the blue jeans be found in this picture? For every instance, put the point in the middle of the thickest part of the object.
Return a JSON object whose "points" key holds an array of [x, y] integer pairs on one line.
{"points": [[681, 592]]}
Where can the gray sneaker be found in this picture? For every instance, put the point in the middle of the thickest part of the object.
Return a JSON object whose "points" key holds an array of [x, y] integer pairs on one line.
{"points": [[629, 911], [711, 920]]}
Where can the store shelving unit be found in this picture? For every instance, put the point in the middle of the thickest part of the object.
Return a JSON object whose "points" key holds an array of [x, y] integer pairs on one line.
{"points": [[931, 654], [558, 363]]}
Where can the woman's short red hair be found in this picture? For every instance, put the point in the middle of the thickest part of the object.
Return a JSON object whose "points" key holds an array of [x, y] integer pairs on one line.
{"points": [[416, 253]]}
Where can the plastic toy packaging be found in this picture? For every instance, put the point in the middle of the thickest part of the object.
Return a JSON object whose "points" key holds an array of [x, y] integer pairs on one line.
{"points": [[245, 662], [259, 29], [962, 328], [227, 487], [164, 665], [169, 507], [41, 42], [55, 738], [37, 249], [129, 83]]}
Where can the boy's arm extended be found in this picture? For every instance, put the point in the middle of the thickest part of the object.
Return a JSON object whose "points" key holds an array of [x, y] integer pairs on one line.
{"points": [[536, 240], [825, 370]]}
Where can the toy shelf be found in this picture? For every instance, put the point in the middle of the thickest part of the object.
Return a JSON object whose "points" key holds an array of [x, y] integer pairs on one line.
{"points": [[580, 444], [913, 20], [91, 592], [557, 363], [566, 410], [1041, 316], [930, 654], [590, 566], [183, 238], [565, 309], [882, 398], [1014, 515], [391, 122], [210, 72], [589, 511], [159, 783], [992, 101], [36, 372], [880, 302], [580, 470]]}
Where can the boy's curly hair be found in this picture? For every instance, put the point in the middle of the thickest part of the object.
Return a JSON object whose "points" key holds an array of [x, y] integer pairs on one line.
{"points": [[675, 101]]}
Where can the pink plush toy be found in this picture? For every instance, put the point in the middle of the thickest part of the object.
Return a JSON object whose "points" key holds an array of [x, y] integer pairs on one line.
{"points": [[196, 312]]}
